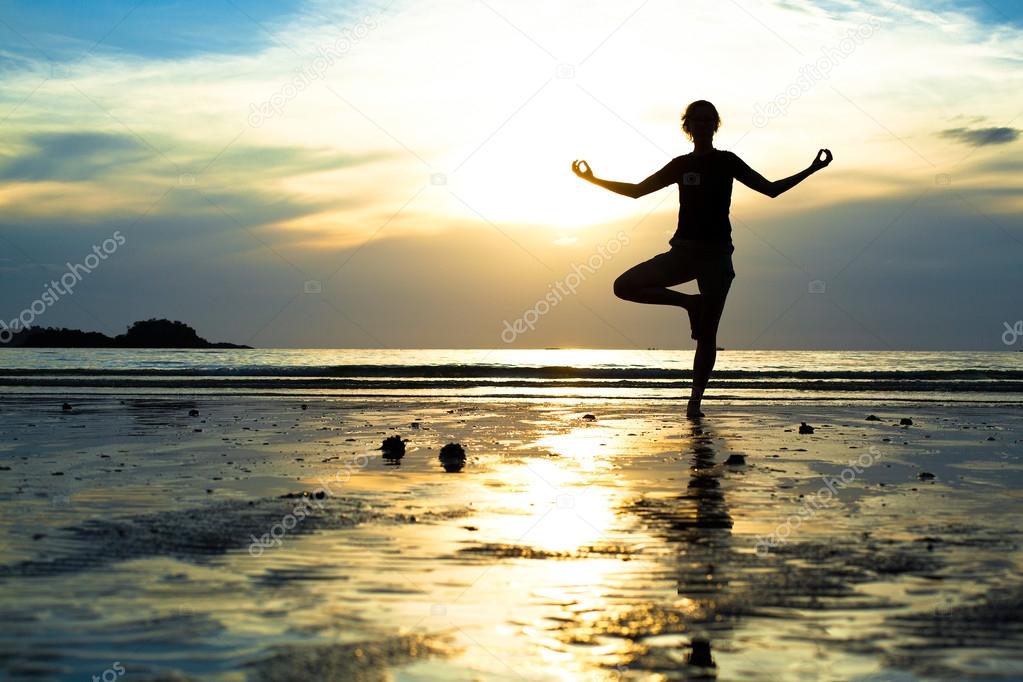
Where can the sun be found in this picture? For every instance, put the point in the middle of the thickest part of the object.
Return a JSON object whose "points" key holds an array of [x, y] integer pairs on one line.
{"points": [[523, 173]]}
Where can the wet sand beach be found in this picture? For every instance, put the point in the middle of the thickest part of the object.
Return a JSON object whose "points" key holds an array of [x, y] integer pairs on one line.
{"points": [[269, 538]]}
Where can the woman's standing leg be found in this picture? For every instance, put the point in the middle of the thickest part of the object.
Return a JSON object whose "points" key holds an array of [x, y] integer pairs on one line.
{"points": [[714, 291]]}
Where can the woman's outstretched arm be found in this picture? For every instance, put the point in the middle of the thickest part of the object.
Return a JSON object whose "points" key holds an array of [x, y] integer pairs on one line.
{"points": [[658, 180], [758, 182]]}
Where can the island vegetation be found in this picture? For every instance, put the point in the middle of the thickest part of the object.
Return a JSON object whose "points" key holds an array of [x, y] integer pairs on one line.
{"points": [[152, 333]]}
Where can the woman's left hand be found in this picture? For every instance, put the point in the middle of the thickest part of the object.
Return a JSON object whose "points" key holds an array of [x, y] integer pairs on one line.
{"points": [[818, 162]]}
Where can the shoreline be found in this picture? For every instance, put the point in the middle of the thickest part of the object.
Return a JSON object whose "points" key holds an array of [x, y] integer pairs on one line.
{"points": [[677, 394]]}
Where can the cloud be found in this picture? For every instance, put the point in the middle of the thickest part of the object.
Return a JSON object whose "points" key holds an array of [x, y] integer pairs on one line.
{"points": [[90, 155], [106, 176], [72, 156], [159, 134], [980, 137]]}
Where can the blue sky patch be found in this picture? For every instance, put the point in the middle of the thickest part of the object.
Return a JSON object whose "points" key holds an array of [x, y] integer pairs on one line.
{"points": [[159, 29]]}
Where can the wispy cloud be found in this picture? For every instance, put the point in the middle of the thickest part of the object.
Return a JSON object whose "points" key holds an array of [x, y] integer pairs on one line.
{"points": [[980, 137], [72, 156]]}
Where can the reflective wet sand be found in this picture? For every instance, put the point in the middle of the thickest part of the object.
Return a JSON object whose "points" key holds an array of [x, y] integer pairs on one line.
{"points": [[605, 540]]}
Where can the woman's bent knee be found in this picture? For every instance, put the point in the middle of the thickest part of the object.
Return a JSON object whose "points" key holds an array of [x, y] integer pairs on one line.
{"points": [[624, 289]]}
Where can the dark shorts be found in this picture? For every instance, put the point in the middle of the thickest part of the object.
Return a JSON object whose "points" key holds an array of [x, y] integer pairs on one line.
{"points": [[709, 263]]}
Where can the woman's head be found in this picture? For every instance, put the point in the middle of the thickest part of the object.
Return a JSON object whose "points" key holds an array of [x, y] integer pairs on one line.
{"points": [[700, 119]]}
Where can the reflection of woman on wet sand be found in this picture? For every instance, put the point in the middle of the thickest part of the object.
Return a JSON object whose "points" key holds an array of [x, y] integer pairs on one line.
{"points": [[701, 248]]}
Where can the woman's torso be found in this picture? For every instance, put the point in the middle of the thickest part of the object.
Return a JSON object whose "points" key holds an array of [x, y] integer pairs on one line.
{"points": [[705, 196]]}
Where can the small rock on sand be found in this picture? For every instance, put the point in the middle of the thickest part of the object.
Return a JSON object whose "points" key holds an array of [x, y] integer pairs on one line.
{"points": [[700, 655], [305, 494], [805, 428], [873, 418], [393, 447], [736, 460], [589, 418], [452, 457], [905, 421], [925, 476]]}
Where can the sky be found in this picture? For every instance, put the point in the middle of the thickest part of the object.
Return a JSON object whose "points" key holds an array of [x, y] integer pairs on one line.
{"points": [[398, 174]]}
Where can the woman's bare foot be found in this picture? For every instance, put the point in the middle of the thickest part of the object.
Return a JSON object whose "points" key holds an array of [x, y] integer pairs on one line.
{"points": [[693, 410]]}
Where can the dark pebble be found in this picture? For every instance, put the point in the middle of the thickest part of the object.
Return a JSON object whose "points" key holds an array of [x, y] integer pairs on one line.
{"points": [[700, 655], [393, 447], [452, 457]]}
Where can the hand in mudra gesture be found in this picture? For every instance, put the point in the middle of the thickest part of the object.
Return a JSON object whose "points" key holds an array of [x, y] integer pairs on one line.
{"points": [[582, 169], [818, 162]]}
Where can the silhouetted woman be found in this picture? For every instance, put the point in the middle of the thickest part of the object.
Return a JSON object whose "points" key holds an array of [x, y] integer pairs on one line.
{"points": [[701, 248]]}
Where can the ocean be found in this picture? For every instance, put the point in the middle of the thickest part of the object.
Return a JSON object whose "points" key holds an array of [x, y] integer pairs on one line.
{"points": [[960, 376]]}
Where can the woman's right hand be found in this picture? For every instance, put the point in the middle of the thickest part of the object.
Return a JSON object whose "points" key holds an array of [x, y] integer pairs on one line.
{"points": [[582, 169]]}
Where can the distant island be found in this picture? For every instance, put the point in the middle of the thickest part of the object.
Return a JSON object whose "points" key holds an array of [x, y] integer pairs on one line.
{"points": [[150, 333]]}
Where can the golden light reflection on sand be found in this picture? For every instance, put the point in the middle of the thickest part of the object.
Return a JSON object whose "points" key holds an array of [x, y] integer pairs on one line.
{"points": [[565, 513], [577, 509], [590, 448], [548, 522]]}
